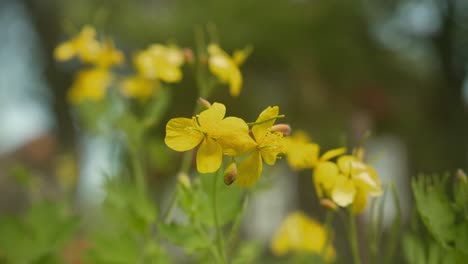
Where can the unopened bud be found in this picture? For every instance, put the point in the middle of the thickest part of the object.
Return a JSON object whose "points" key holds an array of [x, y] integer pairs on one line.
{"points": [[184, 180], [461, 176], [329, 204], [285, 129], [204, 103], [230, 173], [188, 55]]}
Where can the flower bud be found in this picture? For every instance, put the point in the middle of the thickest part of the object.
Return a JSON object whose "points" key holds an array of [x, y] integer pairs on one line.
{"points": [[328, 204], [461, 176], [285, 129], [188, 55], [204, 103], [230, 173], [184, 180]]}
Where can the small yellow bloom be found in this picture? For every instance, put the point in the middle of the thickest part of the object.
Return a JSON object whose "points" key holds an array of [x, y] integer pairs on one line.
{"points": [[269, 145], [349, 181], [214, 133], [85, 46], [226, 68], [160, 62], [108, 55], [89, 84], [139, 87], [301, 153], [324, 167], [300, 233]]}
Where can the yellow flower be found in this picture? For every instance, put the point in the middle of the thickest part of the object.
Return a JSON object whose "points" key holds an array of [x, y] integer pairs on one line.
{"points": [[269, 145], [160, 62], [108, 55], [349, 181], [90, 84], [300, 233], [227, 68], [301, 153], [85, 46], [214, 133], [322, 166], [139, 87]]}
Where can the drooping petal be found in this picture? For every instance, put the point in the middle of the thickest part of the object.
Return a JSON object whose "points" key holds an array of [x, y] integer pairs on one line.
{"points": [[343, 192], [326, 175], [332, 154], [233, 136], [249, 170], [360, 201], [235, 82], [209, 156], [182, 135], [259, 131], [210, 119]]}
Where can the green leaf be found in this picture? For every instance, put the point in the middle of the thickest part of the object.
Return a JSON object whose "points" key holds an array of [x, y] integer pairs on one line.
{"points": [[434, 207], [413, 249], [185, 236]]}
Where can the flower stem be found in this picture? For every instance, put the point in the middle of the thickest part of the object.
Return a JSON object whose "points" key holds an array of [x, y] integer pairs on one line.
{"points": [[329, 215], [219, 234], [353, 238]]}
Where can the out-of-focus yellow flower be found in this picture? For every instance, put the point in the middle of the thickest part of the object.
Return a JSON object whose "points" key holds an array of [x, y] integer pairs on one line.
{"points": [[322, 166], [108, 55], [349, 181], [214, 133], [269, 145], [301, 153], [89, 84], [85, 46], [160, 62], [139, 87], [300, 233], [227, 68]]}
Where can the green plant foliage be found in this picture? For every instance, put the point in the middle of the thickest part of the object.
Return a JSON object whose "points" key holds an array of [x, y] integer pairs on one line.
{"points": [[39, 235]]}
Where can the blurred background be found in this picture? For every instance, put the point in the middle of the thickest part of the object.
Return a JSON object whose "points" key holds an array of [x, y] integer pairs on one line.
{"points": [[336, 68]]}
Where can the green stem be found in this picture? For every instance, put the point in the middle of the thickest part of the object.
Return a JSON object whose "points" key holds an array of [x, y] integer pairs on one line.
{"points": [[138, 170], [219, 234], [212, 248], [353, 238], [238, 220], [329, 215]]}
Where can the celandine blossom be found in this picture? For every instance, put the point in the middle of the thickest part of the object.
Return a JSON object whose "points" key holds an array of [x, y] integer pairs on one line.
{"points": [[214, 133], [300, 233]]}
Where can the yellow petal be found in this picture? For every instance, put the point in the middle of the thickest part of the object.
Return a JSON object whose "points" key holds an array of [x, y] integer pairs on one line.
{"points": [[235, 82], [233, 136], [249, 170], [259, 131], [209, 156], [326, 175], [360, 202], [344, 191], [301, 155], [169, 73], [210, 119], [64, 51], [145, 65], [139, 87], [182, 135], [332, 154], [350, 164], [271, 146], [239, 56], [90, 85]]}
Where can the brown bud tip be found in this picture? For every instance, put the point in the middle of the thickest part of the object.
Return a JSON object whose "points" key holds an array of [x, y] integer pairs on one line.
{"points": [[204, 103], [188, 55], [283, 128], [184, 180], [230, 174], [329, 204], [461, 176]]}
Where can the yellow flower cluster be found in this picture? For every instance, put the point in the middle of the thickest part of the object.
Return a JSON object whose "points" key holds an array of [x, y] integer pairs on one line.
{"points": [[300, 233], [156, 63], [348, 181], [91, 83], [216, 135]]}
